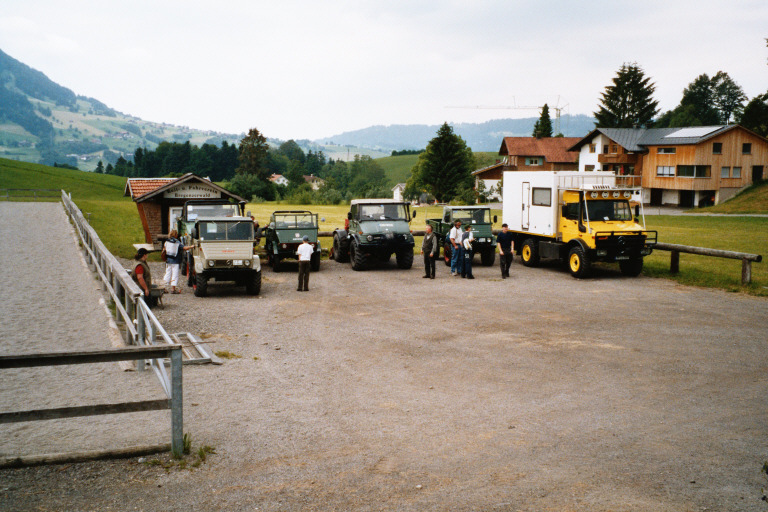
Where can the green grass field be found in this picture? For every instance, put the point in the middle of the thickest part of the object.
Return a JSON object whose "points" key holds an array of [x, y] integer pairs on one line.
{"points": [[116, 220]]}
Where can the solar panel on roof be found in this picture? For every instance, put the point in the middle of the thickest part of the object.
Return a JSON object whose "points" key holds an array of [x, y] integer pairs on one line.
{"points": [[697, 131]]}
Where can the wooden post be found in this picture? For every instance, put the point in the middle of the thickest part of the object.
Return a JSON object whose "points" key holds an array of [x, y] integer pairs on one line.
{"points": [[746, 271], [674, 262]]}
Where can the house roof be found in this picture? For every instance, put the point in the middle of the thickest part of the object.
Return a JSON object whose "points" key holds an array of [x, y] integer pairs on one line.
{"points": [[312, 177], [141, 189], [401, 186], [638, 139], [137, 187], [553, 149], [489, 168]]}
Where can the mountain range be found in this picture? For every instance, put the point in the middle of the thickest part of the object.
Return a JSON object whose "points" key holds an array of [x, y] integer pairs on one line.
{"points": [[44, 122]]}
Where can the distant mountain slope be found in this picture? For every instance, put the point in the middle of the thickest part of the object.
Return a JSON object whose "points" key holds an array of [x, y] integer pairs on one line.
{"points": [[479, 136]]}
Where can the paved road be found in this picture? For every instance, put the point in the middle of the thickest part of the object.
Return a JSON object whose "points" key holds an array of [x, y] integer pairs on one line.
{"points": [[50, 302]]}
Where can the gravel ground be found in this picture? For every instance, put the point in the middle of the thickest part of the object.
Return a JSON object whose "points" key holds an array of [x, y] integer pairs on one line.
{"points": [[380, 390]]}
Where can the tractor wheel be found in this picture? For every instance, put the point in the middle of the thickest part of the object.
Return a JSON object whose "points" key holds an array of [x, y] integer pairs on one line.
{"points": [[357, 257], [314, 262], [340, 249], [201, 285], [631, 268], [578, 262], [447, 253], [530, 253], [253, 286], [405, 259], [487, 257]]}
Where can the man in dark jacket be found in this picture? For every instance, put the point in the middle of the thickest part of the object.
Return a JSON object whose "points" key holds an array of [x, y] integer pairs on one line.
{"points": [[429, 248], [506, 250]]}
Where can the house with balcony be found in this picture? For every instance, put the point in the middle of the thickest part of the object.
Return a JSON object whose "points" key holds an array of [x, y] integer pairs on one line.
{"points": [[528, 154], [691, 166]]}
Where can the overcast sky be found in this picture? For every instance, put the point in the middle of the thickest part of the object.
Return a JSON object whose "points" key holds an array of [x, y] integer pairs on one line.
{"points": [[311, 69]]}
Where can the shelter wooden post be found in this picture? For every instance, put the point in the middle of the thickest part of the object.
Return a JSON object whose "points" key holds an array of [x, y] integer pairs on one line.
{"points": [[674, 262]]}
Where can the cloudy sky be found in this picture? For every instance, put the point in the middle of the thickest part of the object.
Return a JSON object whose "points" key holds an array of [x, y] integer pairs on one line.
{"points": [[310, 69]]}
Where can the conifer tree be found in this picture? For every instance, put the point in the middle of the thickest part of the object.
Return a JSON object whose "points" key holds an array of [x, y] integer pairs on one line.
{"points": [[628, 103], [543, 127]]}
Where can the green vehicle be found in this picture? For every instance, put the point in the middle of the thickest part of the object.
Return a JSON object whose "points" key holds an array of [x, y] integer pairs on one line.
{"points": [[285, 233], [479, 217], [375, 229]]}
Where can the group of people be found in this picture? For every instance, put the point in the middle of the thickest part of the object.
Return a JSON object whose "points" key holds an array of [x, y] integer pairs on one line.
{"points": [[461, 241], [141, 274]]}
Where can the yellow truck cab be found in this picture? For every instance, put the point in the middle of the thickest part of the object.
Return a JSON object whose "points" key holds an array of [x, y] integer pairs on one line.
{"points": [[577, 217]]}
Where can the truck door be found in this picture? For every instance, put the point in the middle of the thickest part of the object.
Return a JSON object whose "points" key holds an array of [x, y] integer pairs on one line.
{"points": [[526, 204]]}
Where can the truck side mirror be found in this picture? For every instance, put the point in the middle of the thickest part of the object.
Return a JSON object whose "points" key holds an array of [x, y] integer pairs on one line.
{"points": [[637, 211], [349, 215], [413, 216], [495, 219]]}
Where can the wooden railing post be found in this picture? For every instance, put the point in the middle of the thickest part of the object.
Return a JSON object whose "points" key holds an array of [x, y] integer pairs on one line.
{"points": [[674, 262], [177, 413], [746, 271]]}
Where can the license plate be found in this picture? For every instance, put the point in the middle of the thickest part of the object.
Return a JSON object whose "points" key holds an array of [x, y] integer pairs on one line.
{"points": [[622, 258], [237, 262]]}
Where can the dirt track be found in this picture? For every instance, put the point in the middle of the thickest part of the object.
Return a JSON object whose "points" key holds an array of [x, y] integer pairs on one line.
{"points": [[380, 390]]}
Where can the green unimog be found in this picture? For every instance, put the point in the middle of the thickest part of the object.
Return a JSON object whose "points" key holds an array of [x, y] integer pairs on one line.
{"points": [[479, 217], [375, 229], [285, 233]]}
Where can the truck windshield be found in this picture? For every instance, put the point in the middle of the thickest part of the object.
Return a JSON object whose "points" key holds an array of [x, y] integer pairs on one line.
{"points": [[608, 211], [473, 216], [296, 221], [226, 230], [195, 211], [383, 212]]}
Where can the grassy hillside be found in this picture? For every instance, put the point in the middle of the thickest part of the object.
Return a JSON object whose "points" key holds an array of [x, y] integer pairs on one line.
{"points": [[398, 168], [114, 217], [753, 199]]}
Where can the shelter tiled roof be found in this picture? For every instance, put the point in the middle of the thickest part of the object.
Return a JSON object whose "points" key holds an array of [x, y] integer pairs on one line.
{"points": [[137, 187], [553, 149]]}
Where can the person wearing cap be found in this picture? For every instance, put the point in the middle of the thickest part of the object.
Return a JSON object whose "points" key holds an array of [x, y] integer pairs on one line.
{"points": [[304, 252], [142, 275]]}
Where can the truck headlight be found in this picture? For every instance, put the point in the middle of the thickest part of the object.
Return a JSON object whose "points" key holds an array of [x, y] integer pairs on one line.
{"points": [[370, 238], [602, 252], [211, 263], [247, 263]]}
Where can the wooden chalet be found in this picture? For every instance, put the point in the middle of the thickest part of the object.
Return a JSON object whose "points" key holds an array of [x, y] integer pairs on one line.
{"points": [[691, 166], [529, 154], [160, 200]]}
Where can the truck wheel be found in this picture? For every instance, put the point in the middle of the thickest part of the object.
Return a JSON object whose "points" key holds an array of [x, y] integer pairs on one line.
{"points": [[201, 285], [578, 263], [631, 268], [405, 259], [340, 249], [530, 253], [357, 257], [487, 257], [315, 262], [447, 253], [253, 286]]}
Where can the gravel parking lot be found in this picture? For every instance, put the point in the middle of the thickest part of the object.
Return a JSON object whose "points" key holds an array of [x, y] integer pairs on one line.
{"points": [[380, 390]]}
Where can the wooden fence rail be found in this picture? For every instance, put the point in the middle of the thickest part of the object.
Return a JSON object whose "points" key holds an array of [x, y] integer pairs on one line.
{"points": [[675, 250], [36, 193], [174, 402]]}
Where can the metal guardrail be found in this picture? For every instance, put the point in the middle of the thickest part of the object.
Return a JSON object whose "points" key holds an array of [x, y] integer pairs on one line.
{"points": [[141, 325], [35, 193], [675, 250], [174, 390]]}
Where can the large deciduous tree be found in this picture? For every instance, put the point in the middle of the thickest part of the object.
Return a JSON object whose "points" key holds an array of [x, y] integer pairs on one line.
{"points": [[628, 102], [706, 101], [444, 170], [543, 127], [755, 116], [729, 97]]}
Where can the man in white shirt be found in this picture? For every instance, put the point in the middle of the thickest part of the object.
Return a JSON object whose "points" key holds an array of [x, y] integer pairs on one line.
{"points": [[455, 238], [304, 252]]}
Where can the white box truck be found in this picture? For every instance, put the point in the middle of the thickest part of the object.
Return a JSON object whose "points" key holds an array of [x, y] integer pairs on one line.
{"points": [[577, 217]]}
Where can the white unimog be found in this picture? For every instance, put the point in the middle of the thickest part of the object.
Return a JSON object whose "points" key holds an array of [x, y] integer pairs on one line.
{"points": [[577, 217]]}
